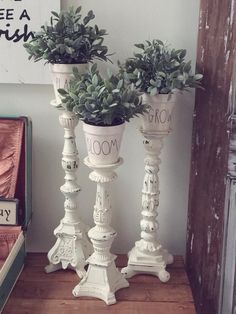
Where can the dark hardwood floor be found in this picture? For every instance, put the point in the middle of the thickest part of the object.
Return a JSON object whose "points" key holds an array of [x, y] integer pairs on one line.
{"points": [[40, 293]]}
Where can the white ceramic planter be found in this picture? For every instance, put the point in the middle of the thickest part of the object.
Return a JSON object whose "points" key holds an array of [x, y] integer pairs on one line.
{"points": [[159, 117], [103, 143], [61, 75]]}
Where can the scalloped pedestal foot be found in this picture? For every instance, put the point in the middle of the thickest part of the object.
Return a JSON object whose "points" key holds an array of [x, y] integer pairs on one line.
{"points": [[158, 271], [128, 272], [101, 282], [145, 263], [163, 275], [80, 272], [50, 268]]}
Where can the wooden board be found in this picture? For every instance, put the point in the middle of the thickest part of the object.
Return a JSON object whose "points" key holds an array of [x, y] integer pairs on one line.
{"points": [[210, 147], [38, 292]]}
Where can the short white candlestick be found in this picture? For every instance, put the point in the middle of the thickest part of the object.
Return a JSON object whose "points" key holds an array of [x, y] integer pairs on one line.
{"points": [[72, 247], [148, 256], [103, 278]]}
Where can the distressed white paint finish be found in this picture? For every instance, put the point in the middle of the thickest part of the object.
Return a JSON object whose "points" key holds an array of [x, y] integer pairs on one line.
{"points": [[208, 239], [103, 278], [72, 247], [192, 239], [148, 255]]}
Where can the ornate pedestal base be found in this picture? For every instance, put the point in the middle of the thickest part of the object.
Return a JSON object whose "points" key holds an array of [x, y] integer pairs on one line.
{"points": [[148, 256], [141, 263], [101, 282], [102, 279], [72, 247]]}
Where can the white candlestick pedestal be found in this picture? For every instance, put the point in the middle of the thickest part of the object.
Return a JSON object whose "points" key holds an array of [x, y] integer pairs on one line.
{"points": [[102, 279], [148, 256], [72, 247]]}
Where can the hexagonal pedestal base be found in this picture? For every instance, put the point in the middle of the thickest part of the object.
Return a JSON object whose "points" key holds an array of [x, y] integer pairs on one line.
{"points": [[101, 282]]}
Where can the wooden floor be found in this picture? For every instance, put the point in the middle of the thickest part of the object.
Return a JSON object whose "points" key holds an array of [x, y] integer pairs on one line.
{"points": [[40, 293]]}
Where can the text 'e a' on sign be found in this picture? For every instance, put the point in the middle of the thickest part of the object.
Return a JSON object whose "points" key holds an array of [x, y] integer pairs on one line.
{"points": [[18, 19]]}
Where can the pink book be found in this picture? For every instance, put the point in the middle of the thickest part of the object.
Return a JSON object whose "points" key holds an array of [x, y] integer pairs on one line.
{"points": [[11, 133], [8, 236]]}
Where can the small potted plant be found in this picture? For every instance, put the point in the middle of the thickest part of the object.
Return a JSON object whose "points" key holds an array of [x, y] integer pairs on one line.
{"points": [[158, 72], [104, 104], [67, 41]]}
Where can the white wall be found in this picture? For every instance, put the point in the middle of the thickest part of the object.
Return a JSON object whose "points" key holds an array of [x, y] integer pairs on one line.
{"points": [[127, 22]]}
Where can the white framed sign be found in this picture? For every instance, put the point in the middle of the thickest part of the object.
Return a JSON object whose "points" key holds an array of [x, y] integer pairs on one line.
{"points": [[8, 211], [18, 18]]}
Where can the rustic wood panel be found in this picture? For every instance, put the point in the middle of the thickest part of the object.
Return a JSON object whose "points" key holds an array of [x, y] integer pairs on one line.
{"points": [[234, 293], [210, 146], [37, 292], [229, 280]]}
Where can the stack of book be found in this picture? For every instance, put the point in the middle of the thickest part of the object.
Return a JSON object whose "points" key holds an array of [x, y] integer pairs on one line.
{"points": [[15, 198]]}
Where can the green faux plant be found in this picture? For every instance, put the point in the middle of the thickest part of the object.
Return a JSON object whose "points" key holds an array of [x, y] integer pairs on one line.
{"points": [[68, 39], [157, 69], [101, 101]]}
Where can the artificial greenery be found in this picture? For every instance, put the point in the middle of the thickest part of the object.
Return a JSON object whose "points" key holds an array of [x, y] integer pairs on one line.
{"points": [[100, 101], [157, 69], [68, 39]]}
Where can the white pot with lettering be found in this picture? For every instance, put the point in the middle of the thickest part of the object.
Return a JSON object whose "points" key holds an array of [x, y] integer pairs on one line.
{"points": [[103, 143], [61, 75], [159, 117]]}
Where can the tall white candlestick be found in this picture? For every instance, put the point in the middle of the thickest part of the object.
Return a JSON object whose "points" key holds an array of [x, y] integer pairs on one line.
{"points": [[72, 247], [103, 278], [148, 256]]}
